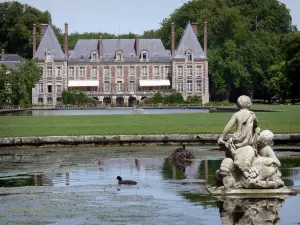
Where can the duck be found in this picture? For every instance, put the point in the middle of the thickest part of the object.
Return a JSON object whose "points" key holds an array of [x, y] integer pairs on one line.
{"points": [[129, 182]]}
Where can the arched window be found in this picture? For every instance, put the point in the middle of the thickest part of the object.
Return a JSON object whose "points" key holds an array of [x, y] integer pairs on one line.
{"points": [[49, 56], [189, 55], [94, 56], [119, 55]]}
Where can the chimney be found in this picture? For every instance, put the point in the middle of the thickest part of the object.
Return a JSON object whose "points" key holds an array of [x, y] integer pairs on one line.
{"points": [[100, 46], [205, 38], [173, 38], [66, 47], [33, 40], [2, 54], [137, 46], [195, 28], [43, 30]]}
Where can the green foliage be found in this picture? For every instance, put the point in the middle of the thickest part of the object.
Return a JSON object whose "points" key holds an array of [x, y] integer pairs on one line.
{"points": [[278, 83], [174, 98], [76, 98], [194, 100], [158, 98], [291, 50], [16, 84], [155, 99], [243, 40], [16, 26]]}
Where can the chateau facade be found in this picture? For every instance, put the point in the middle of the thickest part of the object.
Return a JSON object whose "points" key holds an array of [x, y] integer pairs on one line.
{"points": [[120, 71]]}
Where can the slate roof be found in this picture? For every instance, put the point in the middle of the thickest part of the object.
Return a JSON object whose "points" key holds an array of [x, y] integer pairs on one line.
{"points": [[189, 40], [50, 42], [11, 60], [155, 48]]}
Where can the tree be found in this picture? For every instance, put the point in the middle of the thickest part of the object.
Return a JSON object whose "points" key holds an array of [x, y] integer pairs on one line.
{"points": [[291, 49], [243, 40], [16, 84], [16, 27], [278, 83]]}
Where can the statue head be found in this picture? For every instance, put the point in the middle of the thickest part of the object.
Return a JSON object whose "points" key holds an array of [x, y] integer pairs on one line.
{"points": [[244, 102], [265, 138]]}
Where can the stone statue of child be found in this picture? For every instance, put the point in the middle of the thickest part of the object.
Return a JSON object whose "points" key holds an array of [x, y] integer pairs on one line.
{"points": [[246, 128], [265, 143]]}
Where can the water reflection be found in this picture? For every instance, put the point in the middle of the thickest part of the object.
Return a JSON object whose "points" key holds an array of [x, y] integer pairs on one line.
{"points": [[168, 189], [250, 211], [124, 111]]}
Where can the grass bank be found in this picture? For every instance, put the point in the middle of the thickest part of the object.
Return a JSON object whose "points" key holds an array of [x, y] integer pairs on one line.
{"points": [[287, 121]]}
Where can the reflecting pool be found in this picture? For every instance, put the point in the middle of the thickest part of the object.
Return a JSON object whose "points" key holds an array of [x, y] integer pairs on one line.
{"points": [[66, 186]]}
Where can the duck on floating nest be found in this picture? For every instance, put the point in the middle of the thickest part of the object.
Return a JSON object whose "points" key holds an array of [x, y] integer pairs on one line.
{"points": [[181, 157], [128, 182]]}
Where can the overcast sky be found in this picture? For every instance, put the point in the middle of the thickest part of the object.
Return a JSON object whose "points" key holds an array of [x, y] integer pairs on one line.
{"points": [[119, 16]]}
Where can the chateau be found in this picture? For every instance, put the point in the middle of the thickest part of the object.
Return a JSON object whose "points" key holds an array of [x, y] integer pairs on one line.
{"points": [[120, 71]]}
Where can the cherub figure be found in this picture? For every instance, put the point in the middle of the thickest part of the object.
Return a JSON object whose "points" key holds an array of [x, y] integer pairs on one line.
{"points": [[246, 128], [265, 143]]}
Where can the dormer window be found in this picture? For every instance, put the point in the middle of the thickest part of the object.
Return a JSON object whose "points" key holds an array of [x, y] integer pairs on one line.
{"points": [[144, 55], [94, 56], [119, 56], [49, 56], [189, 55]]}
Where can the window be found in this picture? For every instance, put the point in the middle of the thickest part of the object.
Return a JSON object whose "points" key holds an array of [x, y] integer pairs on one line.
{"points": [[94, 71], [198, 70], [144, 70], [49, 56], [189, 85], [180, 86], [119, 86], [106, 86], [106, 70], [119, 71], [94, 56], [167, 70], [82, 71], [49, 71], [156, 71], [179, 70], [49, 88], [144, 55], [131, 71], [58, 88], [189, 70], [71, 71], [132, 86], [198, 82], [119, 56], [49, 101], [58, 100], [189, 55], [40, 101], [58, 71], [40, 87]]}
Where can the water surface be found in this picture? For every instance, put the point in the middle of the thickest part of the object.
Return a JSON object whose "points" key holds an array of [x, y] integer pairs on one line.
{"points": [[66, 187]]}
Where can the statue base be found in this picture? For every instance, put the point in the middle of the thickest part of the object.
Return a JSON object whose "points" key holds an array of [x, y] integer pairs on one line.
{"points": [[251, 193]]}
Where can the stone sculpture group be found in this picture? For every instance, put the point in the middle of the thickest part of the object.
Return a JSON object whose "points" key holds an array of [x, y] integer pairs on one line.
{"points": [[250, 161]]}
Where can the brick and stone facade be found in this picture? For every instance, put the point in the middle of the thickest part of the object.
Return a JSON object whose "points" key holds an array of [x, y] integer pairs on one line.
{"points": [[113, 71]]}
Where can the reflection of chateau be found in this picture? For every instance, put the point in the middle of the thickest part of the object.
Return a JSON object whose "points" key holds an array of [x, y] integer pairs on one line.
{"points": [[120, 70]]}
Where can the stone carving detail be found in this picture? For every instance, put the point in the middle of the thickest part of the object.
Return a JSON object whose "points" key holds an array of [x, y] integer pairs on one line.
{"points": [[250, 160]]}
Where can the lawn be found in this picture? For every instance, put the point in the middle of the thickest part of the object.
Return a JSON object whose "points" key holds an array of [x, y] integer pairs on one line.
{"points": [[286, 121]]}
